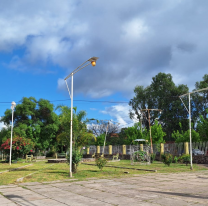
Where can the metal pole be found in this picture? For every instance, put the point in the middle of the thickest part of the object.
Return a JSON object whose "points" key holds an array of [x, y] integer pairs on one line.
{"points": [[105, 139], [10, 156], [190, 132], [70, 171], [150, 132]]}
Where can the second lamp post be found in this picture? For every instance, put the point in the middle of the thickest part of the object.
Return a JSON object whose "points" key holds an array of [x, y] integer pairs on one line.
{"points": [[93, 63]]}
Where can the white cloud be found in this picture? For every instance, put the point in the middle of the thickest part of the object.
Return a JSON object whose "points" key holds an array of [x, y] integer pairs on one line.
{"points": [[2, 125], [120, 114], [134, 40]]}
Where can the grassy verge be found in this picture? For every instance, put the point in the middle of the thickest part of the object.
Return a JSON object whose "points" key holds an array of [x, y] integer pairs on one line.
{"points": [[45, 172]]}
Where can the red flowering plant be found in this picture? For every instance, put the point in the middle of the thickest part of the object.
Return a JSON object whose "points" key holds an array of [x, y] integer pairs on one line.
{"points": [[20, 146]]}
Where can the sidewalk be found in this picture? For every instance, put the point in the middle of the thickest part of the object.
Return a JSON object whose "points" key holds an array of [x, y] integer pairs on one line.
{"points": [[182, 189]]}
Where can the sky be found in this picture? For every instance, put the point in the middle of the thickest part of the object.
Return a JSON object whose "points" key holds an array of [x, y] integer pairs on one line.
{"points": [[41, 42]]}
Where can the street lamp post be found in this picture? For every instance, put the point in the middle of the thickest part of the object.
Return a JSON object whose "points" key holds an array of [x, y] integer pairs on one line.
{"points": [[189, 111], [150, 124], [85, 64], [12, 108]]}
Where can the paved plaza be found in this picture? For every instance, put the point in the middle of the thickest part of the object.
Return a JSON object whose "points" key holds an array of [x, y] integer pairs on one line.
{"points": [[151, 189]]}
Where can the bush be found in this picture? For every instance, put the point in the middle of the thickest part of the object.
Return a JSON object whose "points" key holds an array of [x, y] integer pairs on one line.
{"points": [[50, 154], [185, 159], [100, 162], [167, 159], [76, 158], [152, 157], [140, 156], [175, 159]]}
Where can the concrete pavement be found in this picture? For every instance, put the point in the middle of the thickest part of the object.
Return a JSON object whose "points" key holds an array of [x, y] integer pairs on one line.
{"points": [[152, 189]]}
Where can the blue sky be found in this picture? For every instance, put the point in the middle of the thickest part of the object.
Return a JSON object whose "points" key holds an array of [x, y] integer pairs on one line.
{"points": [[41, 42]]}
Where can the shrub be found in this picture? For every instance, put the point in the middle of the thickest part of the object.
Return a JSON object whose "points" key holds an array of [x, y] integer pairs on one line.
{"points": [[20, 146], [152, 157], [185, 159], [167, 159], [175, 159], [50, 154], [140, 156], [76, 158], [100, 162]]}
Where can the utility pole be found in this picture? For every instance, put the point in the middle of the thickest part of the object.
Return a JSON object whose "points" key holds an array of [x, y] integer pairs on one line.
{"points": [[150, 124], [107, 132], [189, 111]]}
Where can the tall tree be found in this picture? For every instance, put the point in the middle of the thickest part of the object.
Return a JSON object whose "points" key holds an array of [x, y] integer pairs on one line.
{"points": [[200, 99], [80, 134], [35, 120], [161, 94]]}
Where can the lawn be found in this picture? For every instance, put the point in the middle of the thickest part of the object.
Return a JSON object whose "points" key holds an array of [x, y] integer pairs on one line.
{"points": [[43, 172]]}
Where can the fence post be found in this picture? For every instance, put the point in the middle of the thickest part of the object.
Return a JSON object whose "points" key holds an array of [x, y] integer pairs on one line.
{"points": [[88, 150], [141, 147], [124, 149], [110, 149], [161, 149], [186, 148], [98, 149]]}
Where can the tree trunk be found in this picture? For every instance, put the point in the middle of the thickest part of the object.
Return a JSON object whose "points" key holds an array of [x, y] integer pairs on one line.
{"points": [[74, 168]]}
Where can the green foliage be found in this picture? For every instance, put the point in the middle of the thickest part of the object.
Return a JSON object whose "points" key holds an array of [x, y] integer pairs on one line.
{"points": [[153, 95], [132, 133], [35, 120], [140, 156], [100, 140], [20, 146], [185, 159], [157, 133], [181, 136], [175, 159], [167, 159], [202, 127], [81, 136], [100, 162], [76, 157], [152, 157], [50, 154]]}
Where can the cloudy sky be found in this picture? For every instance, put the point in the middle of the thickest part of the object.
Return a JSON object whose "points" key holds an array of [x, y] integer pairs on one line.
{"points": [[41, 42]]}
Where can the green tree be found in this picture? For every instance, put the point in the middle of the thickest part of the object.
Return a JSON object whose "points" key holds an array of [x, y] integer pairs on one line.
{"points": [[157, 133], [162, 94], [132, 133], [181, 136], [202, 127], [200, 99], [80, 134], [35, 120]]}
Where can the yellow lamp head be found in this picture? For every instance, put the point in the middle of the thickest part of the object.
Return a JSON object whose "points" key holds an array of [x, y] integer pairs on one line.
{"points": [[93, 63]]}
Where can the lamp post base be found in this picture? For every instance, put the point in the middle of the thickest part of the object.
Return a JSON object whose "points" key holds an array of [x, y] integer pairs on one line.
{"points": [[70, 174], [191, 167]]}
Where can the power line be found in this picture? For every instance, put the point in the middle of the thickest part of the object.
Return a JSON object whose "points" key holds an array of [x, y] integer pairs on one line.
{"points": [[77, 100]]}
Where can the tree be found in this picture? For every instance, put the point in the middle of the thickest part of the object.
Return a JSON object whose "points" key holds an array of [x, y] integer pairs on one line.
{"points": [[132, 133], [80, 134], [20, 146], [202, 127], [99, 127], [181, 136], [35, 120], [200, 99], [157, 133], [161, 94]]}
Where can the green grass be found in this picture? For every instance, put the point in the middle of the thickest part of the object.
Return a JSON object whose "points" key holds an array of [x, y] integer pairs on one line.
{"points": [[44, 172]]}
